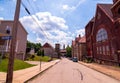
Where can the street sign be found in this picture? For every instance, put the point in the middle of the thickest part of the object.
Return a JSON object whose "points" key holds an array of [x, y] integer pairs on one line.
{"points": [[6, 37]]}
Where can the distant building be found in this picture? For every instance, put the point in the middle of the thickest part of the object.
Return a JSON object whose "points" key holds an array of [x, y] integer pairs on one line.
{"points": [[103, 34], [79, 47], [48, 50], [57, 49], [53, 52], [63, 51], [6, 35]]}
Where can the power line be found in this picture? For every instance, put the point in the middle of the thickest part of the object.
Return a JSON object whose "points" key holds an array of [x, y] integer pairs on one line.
{"points": [[34, 19], [31, 6], [34, 9]]}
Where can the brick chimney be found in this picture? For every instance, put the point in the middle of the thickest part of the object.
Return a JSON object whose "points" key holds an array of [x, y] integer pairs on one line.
{"points": [[79, 36]]}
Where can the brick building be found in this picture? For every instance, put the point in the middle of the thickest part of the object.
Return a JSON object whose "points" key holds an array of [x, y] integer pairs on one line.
{"points": [[89, 40], [104, 33], [79, 47], [5, 31]]}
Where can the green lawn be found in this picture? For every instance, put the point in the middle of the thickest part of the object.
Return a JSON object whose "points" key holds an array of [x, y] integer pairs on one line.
{"points": [[18, 64], [37, 58]]}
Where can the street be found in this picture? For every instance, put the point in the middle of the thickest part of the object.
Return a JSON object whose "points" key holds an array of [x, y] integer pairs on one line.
{"points": [[67, 71]]}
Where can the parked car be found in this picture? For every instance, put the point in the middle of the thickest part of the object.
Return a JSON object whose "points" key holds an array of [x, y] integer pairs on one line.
{"points": [[75, 59]]}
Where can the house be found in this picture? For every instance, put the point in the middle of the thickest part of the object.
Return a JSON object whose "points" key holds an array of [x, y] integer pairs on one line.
{"points": [[48, 49], [51, 51], [6, 36], [104, 37], [79, 47]]}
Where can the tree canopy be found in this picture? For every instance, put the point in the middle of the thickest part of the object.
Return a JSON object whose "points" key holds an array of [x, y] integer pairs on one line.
{"points": [[30, 45], [69, 51]]}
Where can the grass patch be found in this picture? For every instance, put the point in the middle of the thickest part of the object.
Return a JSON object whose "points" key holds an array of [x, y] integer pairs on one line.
{"points": [[18, 64], [45, 58], [37, 58]]}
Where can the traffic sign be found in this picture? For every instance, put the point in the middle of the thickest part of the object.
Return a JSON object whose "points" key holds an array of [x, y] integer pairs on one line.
{"points": [[6, 37]]}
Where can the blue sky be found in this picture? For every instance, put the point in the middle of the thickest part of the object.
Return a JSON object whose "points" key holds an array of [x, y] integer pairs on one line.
{"points": [[60, 20]]}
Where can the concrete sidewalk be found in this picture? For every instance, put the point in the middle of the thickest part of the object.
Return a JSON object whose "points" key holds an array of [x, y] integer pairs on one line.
{"points": [[111, 71], [22, 76]]}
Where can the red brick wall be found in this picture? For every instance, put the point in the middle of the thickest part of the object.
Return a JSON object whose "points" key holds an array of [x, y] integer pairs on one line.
{"points": [[104, 22], [88, 31]]}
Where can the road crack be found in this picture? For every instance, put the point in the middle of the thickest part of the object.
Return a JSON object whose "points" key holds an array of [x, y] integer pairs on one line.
{"points": [[81, 75]]}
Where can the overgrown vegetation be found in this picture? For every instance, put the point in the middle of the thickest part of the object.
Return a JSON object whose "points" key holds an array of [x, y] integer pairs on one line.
{"points": [[38, 58], [88, 60], [31, 45], [18, 64], [40, 53]]}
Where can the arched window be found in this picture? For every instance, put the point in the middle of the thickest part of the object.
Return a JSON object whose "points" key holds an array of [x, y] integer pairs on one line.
{"points": [[101, 35]]}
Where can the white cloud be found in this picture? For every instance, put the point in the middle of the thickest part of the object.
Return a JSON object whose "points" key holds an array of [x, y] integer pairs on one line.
{"points": [[72, 8], [53, 27], [49, 22], [66, 7], [1, 18], [80, 32]]}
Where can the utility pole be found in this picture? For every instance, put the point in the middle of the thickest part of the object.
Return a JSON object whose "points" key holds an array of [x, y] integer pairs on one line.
{"points": [[9, 77]]}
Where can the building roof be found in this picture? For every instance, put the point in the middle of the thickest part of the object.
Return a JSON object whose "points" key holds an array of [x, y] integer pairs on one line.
{"points": [[79, 40], [82, 39], [117, 3], [11, 21], [106, 8], [91, 21], [47, 45]]}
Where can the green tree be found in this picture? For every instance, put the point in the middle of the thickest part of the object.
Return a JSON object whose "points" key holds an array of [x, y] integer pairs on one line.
{"points": [[42, 52], [37, 47], [39, 53], [30, 45], [69, 51]]}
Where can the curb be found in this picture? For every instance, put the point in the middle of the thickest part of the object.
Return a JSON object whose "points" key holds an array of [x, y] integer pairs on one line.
{"points": [[99, 71], [41, 72]]}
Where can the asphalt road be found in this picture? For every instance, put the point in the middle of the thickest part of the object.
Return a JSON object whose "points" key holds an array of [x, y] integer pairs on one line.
{"points": [[67, 71]]}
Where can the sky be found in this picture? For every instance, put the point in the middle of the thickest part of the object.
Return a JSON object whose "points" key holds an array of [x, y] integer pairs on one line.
{"points": [[52, 21]]}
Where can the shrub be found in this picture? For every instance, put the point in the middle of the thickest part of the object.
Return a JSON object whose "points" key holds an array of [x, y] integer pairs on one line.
{"points": [[88, 59], [39, 53]]}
